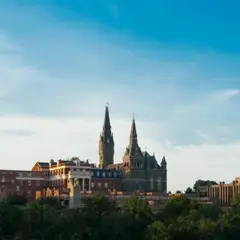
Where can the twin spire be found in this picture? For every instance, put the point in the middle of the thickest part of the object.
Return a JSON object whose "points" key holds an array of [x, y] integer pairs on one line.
{"points": [[107, 126]]}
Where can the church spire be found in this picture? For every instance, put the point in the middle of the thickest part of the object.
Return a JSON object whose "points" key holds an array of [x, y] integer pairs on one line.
{"points": [[133, 133], [133, 142], [106, 142], [106, 124]]}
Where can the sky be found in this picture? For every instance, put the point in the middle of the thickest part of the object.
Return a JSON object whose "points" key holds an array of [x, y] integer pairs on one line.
{"points": [[174, 64]]}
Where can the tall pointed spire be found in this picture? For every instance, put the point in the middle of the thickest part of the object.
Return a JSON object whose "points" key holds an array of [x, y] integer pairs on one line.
{"points": [[106, 124], [106, 142], [133, 142], [133, 134]]}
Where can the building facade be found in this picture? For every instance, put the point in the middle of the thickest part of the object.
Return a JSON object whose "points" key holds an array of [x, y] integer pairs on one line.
{"points": [[224, 194], [90, 178], [140, 170], [23, 183]]}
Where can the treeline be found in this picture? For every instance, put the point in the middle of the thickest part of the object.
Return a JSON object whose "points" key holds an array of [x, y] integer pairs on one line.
{"points": [[179, 218]]}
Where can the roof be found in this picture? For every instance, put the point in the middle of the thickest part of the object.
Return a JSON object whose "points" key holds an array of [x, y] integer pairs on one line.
{"points": [[117, 166], [43, 164]]}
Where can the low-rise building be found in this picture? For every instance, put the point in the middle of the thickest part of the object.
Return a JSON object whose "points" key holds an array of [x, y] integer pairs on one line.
{"points": [[19, 182], [90, 178], [105, 180], [224, 194]]}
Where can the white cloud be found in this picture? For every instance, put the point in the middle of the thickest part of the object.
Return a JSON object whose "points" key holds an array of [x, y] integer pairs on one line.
{"points": [[206, 161], [225, 95]]}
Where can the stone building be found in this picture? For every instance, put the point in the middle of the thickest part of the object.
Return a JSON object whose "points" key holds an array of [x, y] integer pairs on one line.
{"points": [[141, 171]]}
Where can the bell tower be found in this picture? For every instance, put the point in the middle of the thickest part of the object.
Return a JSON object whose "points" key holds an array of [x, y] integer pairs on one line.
{"points": [[106, 142]]}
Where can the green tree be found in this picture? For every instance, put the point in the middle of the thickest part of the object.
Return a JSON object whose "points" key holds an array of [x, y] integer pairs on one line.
{"points": [[175, 207], [38, 220], [202, 183], [189, 190], [99, 206], [11, 220], [157, 230], [14, 199], [138, 207]]}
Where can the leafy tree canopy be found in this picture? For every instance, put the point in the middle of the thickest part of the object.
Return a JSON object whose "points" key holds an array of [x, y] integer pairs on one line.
{"points": [[179, 218]]}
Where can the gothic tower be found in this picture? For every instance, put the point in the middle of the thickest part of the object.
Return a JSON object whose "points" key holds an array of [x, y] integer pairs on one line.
{"points": [[106, 142], [133, 155]]}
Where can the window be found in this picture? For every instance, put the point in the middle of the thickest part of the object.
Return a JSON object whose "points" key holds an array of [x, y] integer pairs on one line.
{"points": [[29, 183], [98, 174], [38, 183], [29, 174], [92, 184], [92, 173], [18, 188], [104, 174], [115, 174], [20, 174], [3, 179], [13, 181], [29, 193], [99, 185], [109, 174], [106, 185]]}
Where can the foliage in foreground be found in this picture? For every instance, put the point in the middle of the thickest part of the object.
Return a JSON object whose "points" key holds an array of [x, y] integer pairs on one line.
{"points": [[180, 218]]}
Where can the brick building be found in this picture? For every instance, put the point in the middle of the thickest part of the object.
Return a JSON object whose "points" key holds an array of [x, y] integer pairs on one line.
{"points": [[24, 183], [90, 178], [104, 180]]}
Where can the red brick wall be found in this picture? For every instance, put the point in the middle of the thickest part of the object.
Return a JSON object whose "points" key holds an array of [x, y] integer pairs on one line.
{"points": [[103, 184], [24, 183]]}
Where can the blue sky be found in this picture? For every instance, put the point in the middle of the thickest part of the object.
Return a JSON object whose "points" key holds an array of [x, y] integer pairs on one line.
{"points": [[175, 64]]}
